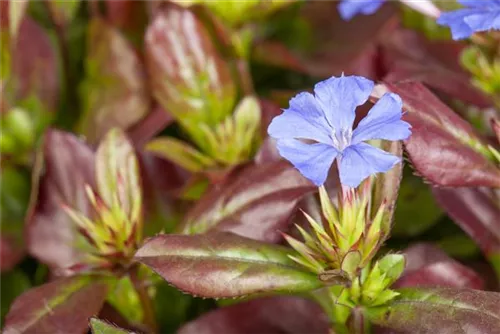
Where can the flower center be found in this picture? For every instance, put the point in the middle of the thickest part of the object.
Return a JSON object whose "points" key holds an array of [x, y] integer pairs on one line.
{"points": [[341, 138]]}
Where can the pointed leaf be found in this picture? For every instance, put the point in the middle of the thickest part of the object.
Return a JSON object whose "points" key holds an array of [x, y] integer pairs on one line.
{"points": [[392, 265], [189, 78], [102, 327], [430, 266], [62, 306], [68, 164], [180, 153], [477, 212], [410, 56], [117, 173], [222, 264], [440, 311], [257, 202], [270, 315], [35, 76], [114, 91], [443, 148]]}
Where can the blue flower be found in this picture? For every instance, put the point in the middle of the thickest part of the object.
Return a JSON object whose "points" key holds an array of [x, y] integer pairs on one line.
{"points": [[350, 8], [326, 120], [481, 15]]}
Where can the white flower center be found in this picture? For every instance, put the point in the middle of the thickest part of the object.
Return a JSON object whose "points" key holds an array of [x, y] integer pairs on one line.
{"points": [[341, 138]]}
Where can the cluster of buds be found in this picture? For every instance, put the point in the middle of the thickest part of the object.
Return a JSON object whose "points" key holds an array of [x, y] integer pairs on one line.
{"points": [[349, 238], [341, 249], [112, 234], [483, 60]]}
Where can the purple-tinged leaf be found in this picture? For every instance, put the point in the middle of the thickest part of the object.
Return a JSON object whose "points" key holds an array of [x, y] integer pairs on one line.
{"points": [[440, 311], [68, 164], [333, 46], [477, 212], [61, 306], [188, 77], [409, 56], [35, 66], [270, 315], [11, 251], [222, 264], [154, 122], [114, 91], [442, 274], [443, 148], [102, 327], [257, 202]]}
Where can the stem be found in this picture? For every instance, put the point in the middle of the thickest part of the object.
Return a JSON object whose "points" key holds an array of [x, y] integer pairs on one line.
{"points": [[358, 323], [245, 76], [63, 48], [147, 304]]}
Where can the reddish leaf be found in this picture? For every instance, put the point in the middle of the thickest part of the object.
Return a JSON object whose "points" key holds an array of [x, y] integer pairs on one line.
{"points": [[62, 306], [440, 311], [336, 45], [409, 56], [222, 264], [477, 212], [68, 166], [270, 315], [441, 147], [157, 120], [189, 78], [35, 65], [442, 274], [115, 90], [11, 251], [256, 203]]}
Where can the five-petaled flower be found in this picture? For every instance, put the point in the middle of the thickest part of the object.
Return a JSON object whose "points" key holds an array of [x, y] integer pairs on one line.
{"points": [[350, 8], [326, 120], [481, 15]]}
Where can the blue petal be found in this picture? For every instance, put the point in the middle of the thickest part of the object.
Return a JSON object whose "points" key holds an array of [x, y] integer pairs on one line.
{"points": [[339, 97], [485, 21], [313, 161], [383, 121], [350, 8], [455, 20], [480, 4], [304, 119], [362, 160]]}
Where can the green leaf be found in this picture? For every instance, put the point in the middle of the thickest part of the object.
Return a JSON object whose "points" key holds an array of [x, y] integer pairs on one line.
{"points": [[392, 265], [114, 91], [14, 198], [65, 303], [63, 11], [180, 153], [102, 327], [221, 264], [125, 299], [440, 311]]}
